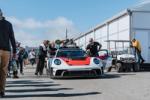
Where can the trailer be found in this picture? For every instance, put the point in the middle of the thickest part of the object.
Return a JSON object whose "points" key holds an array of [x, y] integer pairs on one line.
{"points": [[131, 23]]}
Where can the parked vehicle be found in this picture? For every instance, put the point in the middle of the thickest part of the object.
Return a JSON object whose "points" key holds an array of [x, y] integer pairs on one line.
{"points": [[73, 62], [123, 60], [106, 58]]}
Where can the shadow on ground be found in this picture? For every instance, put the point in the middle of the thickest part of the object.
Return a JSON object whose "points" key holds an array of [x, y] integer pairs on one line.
{"points": [[37, 90], [39, 86], [28, 82], [41, 89], [106, 76], [115, 75], [32, 85], [53, 95]]}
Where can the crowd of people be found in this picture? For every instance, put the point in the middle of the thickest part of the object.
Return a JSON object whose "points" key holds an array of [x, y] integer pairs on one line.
{"points": [[17, 62], [48, 49], [34, 57]]}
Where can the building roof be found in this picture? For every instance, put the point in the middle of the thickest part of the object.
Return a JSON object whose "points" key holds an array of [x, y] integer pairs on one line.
{"points": [[143, 6]]}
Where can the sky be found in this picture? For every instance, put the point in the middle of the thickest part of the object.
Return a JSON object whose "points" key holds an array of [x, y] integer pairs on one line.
{"points": [[36, 20]]}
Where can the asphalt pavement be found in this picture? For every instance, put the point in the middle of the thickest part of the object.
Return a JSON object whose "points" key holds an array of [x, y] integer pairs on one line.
{"points": [[112, 86]]}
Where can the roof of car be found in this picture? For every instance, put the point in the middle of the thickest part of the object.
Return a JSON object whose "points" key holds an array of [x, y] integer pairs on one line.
{"points": [[70, 48]]}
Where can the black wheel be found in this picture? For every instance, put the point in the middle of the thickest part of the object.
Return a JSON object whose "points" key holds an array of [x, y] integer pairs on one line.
{"points": [[119, 67]]}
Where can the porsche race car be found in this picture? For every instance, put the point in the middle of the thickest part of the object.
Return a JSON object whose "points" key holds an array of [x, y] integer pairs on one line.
{"points": [[73, 62]]}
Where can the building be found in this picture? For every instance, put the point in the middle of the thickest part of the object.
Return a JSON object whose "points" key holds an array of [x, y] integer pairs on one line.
{"points": [[128, 24]]}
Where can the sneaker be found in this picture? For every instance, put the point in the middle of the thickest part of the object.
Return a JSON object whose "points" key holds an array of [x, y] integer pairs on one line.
{"points": [[8, 76], [142, 61], [15, 77], [2, 94], [22, 73], [36, 73], [41, 73]]}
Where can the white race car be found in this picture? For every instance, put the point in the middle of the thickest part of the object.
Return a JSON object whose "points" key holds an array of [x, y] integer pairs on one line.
{"points": [[73, 62]]}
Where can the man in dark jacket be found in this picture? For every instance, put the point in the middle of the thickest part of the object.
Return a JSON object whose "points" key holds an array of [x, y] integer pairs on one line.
{"points": [[52, 49], [21, 56], [41, 58], [6, 37], [93, 48]]}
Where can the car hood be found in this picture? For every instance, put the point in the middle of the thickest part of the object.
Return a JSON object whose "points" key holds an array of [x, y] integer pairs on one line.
{"points": [[77, 61]]}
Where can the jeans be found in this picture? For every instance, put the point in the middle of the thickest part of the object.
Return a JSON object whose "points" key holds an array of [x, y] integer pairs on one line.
{"points": [[21, 65], [140, 58], [40, 66], [32, 61]]}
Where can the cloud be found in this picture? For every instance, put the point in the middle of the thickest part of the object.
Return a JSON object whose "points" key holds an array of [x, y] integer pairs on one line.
{"points": [[144, 1], [32, 32]]}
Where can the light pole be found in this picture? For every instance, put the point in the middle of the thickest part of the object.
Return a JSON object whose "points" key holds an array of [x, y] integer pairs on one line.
{"points": [[66, 34]]}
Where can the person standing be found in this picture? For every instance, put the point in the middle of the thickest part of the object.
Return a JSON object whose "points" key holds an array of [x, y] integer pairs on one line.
{"points": [[32, 57], [93, 48], [6, 38], [21, 57], [17, 53], [14, 68], [52, 49], [41, 57], [137, 49]]}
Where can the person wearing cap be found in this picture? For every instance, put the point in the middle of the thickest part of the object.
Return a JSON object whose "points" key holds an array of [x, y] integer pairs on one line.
{"points": [[137, 46], [93, 48], [6, 38]]}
